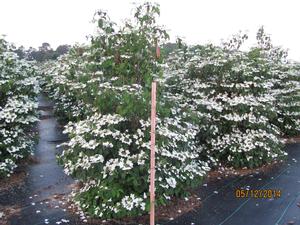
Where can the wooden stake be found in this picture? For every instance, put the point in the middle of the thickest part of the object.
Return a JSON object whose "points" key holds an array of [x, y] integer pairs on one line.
{"points": [[157, 48], [157, 52], [152, 155]]}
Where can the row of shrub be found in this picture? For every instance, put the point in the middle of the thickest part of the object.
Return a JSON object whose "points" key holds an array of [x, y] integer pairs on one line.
{"points": [[103, 90], [18, 92], [216, 105], [245, 101]]}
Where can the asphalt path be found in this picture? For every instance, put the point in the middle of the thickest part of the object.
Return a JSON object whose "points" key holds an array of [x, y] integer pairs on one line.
{"points": [[221, 206]]}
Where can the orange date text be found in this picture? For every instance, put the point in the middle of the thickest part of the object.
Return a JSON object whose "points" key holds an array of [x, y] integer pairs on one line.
{"points": [[259, 193]]}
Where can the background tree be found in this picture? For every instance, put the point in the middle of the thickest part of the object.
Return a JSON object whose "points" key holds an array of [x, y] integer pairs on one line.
{"points": [[43, 53]]}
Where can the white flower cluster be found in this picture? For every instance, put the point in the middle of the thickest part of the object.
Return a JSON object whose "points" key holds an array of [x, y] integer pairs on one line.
{"points": [[234, 98], [94, 140], [18, 105], [287, 94], [285, 85]]}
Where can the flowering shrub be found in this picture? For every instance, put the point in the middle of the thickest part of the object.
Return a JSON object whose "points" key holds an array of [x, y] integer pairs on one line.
{"points": [[103, 89], [68, 84], [231, 93], [18, 91], [289, 101], [286, 85]]}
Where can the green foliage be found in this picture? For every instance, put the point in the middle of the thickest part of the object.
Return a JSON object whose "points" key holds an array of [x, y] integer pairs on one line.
{"points": [[103, 89]]}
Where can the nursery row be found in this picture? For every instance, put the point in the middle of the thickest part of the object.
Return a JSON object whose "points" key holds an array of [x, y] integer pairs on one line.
{"points": [[216, 105], [18, 92]]}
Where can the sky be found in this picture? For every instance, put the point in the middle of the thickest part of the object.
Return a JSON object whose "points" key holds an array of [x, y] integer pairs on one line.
{"points": [[32, 22]]}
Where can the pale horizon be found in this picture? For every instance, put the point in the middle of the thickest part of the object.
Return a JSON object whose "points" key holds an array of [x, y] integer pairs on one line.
{"points": [[32, 22]]}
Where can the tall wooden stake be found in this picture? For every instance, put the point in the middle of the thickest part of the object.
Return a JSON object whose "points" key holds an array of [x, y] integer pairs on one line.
{"points": [[152, 155]]}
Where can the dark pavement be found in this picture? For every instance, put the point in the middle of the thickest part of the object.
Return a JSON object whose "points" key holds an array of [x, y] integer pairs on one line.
{"points": [[221, 207]]}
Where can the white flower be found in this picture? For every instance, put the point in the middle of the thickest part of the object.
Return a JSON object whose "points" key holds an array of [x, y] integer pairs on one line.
{"points": [[171, 182]]}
